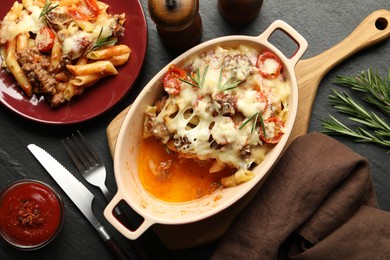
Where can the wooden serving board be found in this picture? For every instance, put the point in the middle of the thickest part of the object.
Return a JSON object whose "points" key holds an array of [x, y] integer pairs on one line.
{"points": [[309, 73]]}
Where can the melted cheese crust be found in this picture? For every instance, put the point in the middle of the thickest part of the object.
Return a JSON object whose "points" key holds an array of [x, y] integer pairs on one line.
{"points": [[213, 122], [29, 22]]}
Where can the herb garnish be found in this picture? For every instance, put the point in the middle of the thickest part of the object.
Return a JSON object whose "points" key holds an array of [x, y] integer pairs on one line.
{"points": [[334, 126], [101, 42], [198, 80], [379, 93], [255, 116], [226, 85], [378, 88], [47, 8]]}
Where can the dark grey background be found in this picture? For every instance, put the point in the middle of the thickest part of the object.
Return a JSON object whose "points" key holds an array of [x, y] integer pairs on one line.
{"points": [[322, 23]]}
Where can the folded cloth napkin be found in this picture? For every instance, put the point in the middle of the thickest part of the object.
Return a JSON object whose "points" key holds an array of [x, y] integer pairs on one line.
{"points": [[317, 203]]}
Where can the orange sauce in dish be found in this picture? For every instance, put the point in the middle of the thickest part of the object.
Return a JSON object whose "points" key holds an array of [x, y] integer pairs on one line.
{"points": [[185, 180]]}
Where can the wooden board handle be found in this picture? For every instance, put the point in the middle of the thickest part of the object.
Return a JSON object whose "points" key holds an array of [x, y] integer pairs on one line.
{"points": [[373, 29], [309, 72]]}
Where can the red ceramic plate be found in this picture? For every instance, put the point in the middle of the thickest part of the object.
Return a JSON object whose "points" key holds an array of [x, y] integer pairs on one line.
{"points": [[96, 99]]}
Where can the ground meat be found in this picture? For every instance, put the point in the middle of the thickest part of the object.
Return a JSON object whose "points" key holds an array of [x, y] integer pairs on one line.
{"points": [[227, 103], [58, 21], [38, 70], [118, 29], [245, 152], [238, 67], [160, 103]]}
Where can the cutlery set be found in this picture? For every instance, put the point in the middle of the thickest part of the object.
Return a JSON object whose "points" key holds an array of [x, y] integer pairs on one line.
{"points": [[91, 167]]}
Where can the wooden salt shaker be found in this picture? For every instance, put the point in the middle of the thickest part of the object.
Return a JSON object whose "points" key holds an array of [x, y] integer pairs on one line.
{"points": [[239, 11], [178, 22]]}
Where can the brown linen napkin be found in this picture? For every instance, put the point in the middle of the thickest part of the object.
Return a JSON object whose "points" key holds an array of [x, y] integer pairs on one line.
{"points": [[317, 203]]}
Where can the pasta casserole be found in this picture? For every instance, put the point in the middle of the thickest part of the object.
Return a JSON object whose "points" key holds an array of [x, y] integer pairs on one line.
{"points": [[226, 105], [56, 49]]}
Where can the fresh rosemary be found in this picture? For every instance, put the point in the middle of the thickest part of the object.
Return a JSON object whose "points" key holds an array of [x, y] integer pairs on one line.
{"points": [[198, 80], [377, 129], [101, 42], [47, 8], [347, 105], [378, 88], [335, 127], [256, 116], [227, 85]]}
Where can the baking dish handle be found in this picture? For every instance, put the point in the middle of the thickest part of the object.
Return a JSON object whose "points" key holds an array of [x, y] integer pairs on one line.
{"points": [[130, 234], [292, 33]]}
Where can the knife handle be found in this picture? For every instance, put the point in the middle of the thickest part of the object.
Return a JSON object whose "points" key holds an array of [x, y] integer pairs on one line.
{"points": [[112, 244]]}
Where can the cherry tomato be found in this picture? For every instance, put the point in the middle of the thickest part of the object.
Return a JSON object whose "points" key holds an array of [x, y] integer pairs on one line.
{"points": [[268, 56], [276, 124], [171, 80], [44, 40], [84, 10], [92, 6]]}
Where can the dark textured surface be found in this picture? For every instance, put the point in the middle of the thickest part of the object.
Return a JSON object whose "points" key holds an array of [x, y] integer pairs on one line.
{"points": [[322, 23]]}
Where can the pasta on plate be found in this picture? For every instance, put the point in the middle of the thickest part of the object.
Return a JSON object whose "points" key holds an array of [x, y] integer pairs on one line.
{"points": [[57, 49], [228, 105]]}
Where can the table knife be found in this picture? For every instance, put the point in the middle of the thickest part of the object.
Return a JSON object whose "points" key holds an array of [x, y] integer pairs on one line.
{"points": [[78, 193]]}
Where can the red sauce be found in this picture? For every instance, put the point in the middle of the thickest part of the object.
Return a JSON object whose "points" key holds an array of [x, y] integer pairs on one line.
{"points": [[31, 213], [185, 180]]}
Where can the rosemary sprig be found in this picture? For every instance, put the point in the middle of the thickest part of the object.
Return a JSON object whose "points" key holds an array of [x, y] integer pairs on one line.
{"points": [[101, 42], [335, 127], [378, 88], [347, 105], [256, 116], [359, 114], [198, 80], [227, 85], [47, 8]]}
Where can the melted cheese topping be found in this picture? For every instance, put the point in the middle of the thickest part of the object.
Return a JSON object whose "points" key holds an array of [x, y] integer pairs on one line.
{"points": [[216, 120], [74, 38], [26, 23]]}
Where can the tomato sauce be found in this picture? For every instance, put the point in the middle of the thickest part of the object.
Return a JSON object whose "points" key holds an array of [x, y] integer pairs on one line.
{"points": [[30, 214], [185, 180]]}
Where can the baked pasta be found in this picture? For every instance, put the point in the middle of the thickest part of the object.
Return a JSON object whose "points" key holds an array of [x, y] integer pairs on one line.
{"points": [[228, 105], [56, 49]]}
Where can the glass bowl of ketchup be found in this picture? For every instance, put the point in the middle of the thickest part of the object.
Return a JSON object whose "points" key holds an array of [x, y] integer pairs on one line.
{"points": [[31, 214]]}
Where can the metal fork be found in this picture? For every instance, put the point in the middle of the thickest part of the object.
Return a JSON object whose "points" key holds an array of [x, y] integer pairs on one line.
{"points": [[91, 167], [87, 162]]}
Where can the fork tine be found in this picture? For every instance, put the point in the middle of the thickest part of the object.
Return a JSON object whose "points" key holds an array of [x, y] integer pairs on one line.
{"points": [[88, 147], [83, 154], [72, 153]]}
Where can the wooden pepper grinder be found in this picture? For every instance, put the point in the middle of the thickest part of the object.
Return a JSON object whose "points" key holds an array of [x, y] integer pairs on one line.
{"points": [[239, 11], [178, 22]]}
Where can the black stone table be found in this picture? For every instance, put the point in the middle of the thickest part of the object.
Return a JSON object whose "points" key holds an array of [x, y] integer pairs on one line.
{"points": [[322, 23]]}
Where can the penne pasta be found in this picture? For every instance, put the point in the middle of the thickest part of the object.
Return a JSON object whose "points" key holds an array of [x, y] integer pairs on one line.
{"points": [[22, 41], [108, 52], [9, 47], [18, 73], [2, 55], [71, 91], [62, 76], [56, 53], [14, 12], [86, 80], [236, 179], [99, 67], [27, 3], [119, 60], [82, 60]]}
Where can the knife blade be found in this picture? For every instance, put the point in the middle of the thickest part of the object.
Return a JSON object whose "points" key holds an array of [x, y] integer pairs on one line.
{"points": [[78, 193]]}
